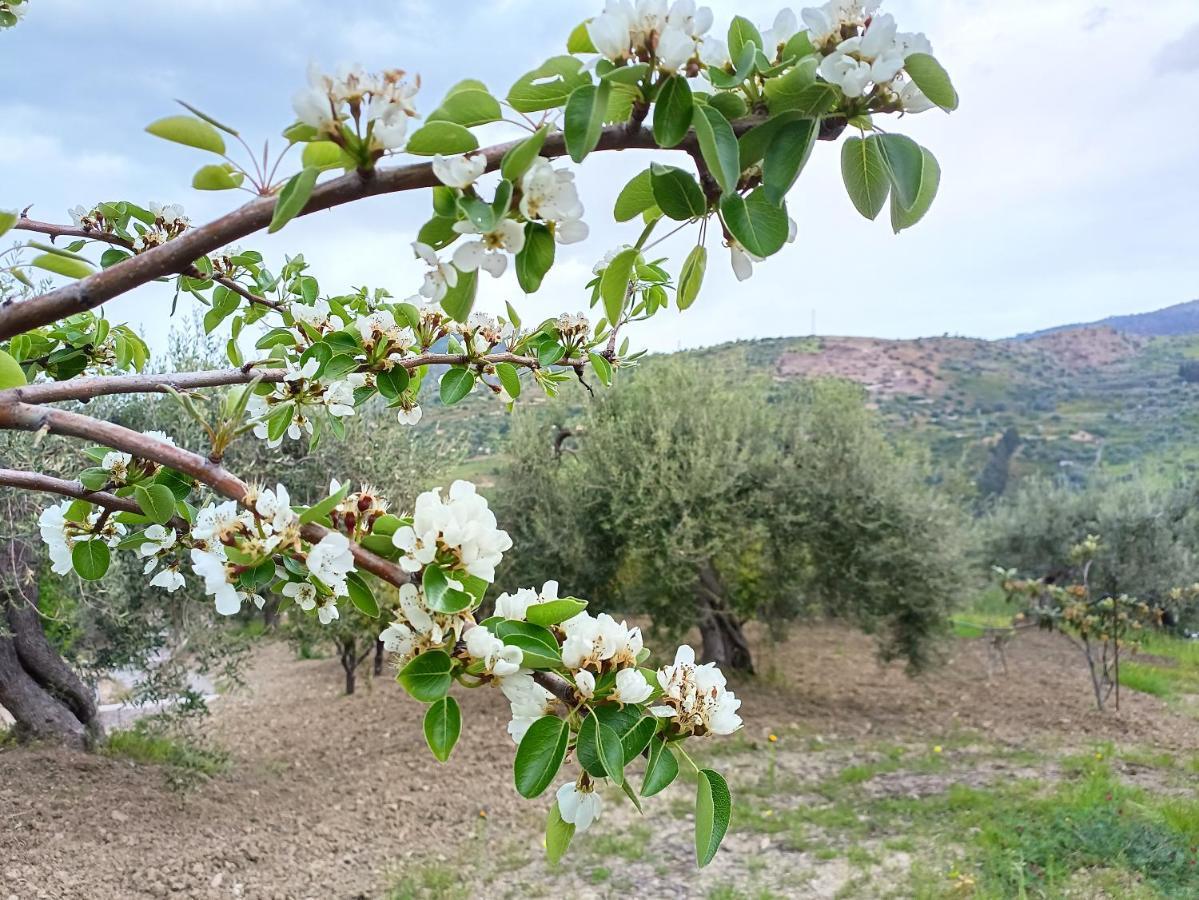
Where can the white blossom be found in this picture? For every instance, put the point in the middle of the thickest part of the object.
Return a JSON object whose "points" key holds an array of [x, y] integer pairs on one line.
{"points": [[317, 316], [462, 524], [327, 612], [913, 99], [209, 565], [440, 277], [579, 806], [529, 702], [410, 416], [275, 509], [459, 171], [585, 683], [631, 687], [169, 579], [695, 696], [498, 658], [302, 593], [590, 641], [116, 464], [489, 251], [158, 538], [550, 195], [52, 523], [330, 561], [516, 606], [784, 28]]}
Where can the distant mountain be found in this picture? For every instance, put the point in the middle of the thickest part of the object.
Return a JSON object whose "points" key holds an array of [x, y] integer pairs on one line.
{"points": [[1182, 318]]}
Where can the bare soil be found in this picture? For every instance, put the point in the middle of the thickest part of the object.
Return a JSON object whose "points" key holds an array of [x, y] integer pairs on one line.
{"points": [[338, 797]]}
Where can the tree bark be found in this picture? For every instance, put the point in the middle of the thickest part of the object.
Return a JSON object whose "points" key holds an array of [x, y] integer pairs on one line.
{"points": [[724, 642], [43, 694], [380, 653], [270, 614], [349, 663]]}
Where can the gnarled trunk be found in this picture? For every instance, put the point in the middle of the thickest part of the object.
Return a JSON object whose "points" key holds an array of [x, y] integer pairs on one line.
{"points": [[724, 642], [43, 694], [380, 653]]}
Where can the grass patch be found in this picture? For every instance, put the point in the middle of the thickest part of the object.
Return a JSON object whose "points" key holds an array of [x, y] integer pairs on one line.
{"points": [[185, 762], [428, 881], [1147, 679]]}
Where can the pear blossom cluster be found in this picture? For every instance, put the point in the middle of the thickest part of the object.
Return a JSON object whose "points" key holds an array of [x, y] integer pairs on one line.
{"points": [[417, 628], [695, 698], [157, 547], [459, 530], [307, 395], [61, 534], [169, 222], [669, 34], [378, 104]]}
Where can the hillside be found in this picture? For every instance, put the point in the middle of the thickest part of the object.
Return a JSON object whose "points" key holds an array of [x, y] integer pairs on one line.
{"points": [[1181, 318]]}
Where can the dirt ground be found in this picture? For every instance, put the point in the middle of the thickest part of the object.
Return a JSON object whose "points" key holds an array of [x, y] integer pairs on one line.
{"points": [[338, 797]]}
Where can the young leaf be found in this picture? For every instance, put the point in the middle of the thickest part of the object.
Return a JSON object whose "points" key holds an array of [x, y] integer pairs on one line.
{"points": [[540, 755], [460, 299], [759, 226], [718, 144], [583, 120], [517, 160], [661, 769], [427, 677], [558, 834], [467, 108], [673, 111], [326, 506], [635, 197], [580, 40], [677, 193], [741, 32], [905, 166], [321, 155], [293, 198], [535, 258], [91, 559], [188, 131], [555, 611], [602, 368], [614, 284], [691, 278], [8, 218], [712, 807], [11, 373], [362, 596], [510, 380], [905, 218], [612, 753], [441, 137], [443, 724], [786, 157], [157, 501], [932, 79], [865, 175], [67, 266], [549, 85], [456, 383]]}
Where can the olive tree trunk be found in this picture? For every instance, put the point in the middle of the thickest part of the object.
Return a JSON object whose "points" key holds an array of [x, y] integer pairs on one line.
{"points": [[724, 642], [41, 692]]}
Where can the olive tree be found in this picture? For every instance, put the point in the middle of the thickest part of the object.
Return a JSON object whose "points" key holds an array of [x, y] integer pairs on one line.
{"points": [[744, 112], [742, 500]]}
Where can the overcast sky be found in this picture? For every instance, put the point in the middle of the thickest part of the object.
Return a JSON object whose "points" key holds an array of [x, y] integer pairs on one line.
{"points": [[1070, 172]]}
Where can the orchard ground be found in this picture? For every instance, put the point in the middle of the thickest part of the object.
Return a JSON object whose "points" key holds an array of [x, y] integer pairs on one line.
{"points": [[955, 784]]}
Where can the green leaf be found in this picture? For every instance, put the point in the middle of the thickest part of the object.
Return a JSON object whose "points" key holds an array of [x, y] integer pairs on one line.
{"points": [[11, 373], [637, 738], [293, 198], [786, 156], [455, 384], [517, 160], [905, 218], [558, 834], [188, 131], [555, 611], [157, 501], [537, 643], [321, 155], [91, 559], [326, 506], [583, 119], [427, 676], [729, 105], [393, 382], [614, 283], [741, 32], [510, 379], [905, 166], [443, 724], [865, 175], [361, 595], [713, 805], [661, 769], [217, 178], [677, 193], [8, 218], [718, 145], [580, 40], [467, 107], [536, 257], [460, 299], [635, 197], [691, 278], [787, 91], [540, 755], [932, 79], [672, 111], [602, 368], [549, 85], [612, 752], [62, 265], [588, 750], [440, 596], [446, 138], [759, 226], [438, 232]]}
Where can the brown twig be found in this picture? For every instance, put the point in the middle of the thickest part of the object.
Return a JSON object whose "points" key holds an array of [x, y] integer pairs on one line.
{"points": [[33, 481]]}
